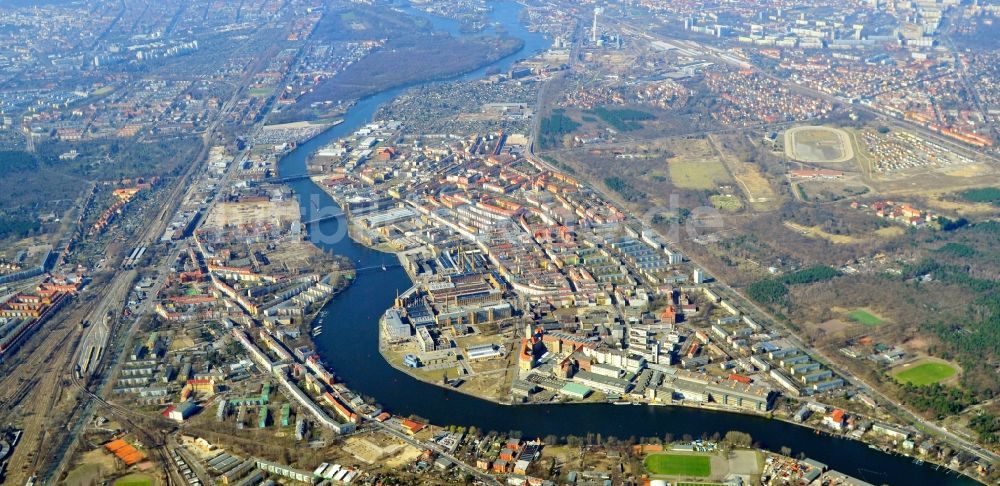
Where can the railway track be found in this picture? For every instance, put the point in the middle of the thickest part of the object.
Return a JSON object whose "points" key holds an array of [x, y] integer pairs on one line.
{"points": [[102, 365], [24, 370], [151, 431], [10, 401], [36, 396]]}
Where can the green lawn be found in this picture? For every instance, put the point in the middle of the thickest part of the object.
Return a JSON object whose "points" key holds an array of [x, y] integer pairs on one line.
{"points": [[135, 480], [678, 465], [698, 174], [103, 90], [726, 202], [864, 317], [926, 373]]}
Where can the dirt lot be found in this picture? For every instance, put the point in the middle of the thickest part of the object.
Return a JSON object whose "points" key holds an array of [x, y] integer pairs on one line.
{"points": [[241, 213], [93, 467], [937, 184], [377, 448]]}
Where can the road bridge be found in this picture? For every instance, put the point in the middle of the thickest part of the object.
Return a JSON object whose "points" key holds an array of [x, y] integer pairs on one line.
{"points": [[282, 180], [325, 217]]}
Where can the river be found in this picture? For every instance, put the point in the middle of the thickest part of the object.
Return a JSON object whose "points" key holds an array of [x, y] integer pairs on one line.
{"points": [[349, 343]]}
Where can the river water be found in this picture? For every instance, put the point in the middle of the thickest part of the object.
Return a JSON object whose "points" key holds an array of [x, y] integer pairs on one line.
{"points": [[349, 343]]}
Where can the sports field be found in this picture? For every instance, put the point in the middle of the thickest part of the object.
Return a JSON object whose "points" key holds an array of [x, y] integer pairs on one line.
{"points": [[678, 465], [818, 145], [864, 317], [135, 480], [926, 373]]}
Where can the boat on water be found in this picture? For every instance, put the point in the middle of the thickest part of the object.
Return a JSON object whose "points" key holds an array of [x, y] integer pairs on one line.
{"points": [[918, 462], [317, 332], [622, 402]]}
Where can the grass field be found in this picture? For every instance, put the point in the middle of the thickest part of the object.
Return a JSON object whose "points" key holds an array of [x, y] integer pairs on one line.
{"points": [[864, 317], [678, 465], [962, 208], [705, 174], [926, 373], [135, 480], [103, 90], [754, 185], [890, 232], [85, 474], [726, 202], [817, 232], [261, 92]]}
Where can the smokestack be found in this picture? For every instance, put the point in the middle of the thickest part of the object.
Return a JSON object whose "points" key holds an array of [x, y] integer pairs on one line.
{"points": [[593, 33]]}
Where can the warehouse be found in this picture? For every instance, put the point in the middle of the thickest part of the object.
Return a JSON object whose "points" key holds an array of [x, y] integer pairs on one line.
{"points": [[603, 383], [484, 351], [575, 390]]}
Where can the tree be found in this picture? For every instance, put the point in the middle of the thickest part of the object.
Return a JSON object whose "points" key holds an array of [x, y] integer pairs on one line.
{"points": [[738, 439], [768, 291]]}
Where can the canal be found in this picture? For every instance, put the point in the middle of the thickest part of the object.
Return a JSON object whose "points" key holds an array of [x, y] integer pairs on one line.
{"points": [[349, 343]]}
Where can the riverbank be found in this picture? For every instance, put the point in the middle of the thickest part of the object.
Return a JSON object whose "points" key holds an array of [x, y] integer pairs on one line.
{"points": [[319, 124], [441, 58], [349, 346], [309, 321], [381, 377]]}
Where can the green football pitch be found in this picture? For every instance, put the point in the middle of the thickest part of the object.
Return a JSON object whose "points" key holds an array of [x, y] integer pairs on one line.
{"points": [[679, 465]]}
